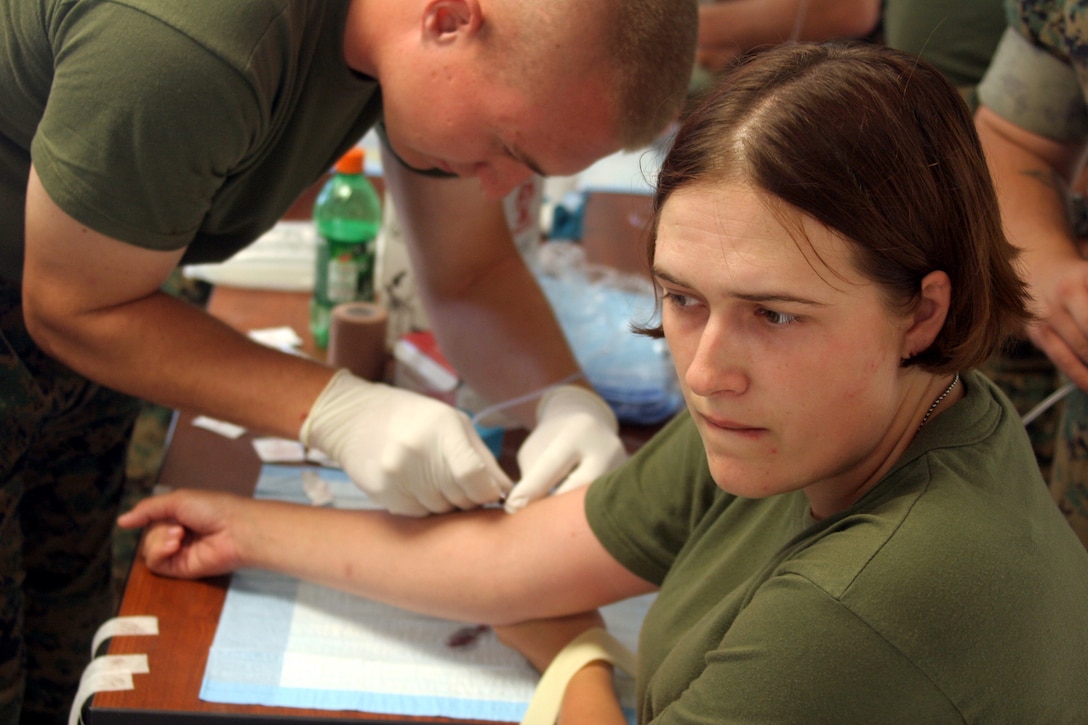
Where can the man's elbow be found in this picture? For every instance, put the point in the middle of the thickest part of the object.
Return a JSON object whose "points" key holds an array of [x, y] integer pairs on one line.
{"points": [[47, 325]]}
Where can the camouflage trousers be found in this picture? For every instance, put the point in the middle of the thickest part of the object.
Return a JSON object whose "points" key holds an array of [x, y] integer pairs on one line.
{"points": [[62, 464], [1059, 436], [1069, 476]]}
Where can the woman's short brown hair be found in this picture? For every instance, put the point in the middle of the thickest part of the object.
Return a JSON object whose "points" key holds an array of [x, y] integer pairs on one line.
{"points": [[878, 146]]}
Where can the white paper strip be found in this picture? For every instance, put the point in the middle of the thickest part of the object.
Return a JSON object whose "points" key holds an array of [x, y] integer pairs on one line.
{"points": [[124, 627]]}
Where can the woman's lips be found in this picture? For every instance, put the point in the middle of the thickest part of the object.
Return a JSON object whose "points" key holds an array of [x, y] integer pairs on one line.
{"points": [[730, 426]]}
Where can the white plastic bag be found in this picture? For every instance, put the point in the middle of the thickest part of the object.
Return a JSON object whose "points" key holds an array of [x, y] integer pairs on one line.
{"points": [[596, 306]]}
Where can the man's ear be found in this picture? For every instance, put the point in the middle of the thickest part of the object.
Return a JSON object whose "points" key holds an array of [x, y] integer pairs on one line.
{"points": [[928, 318], [445, 20]]}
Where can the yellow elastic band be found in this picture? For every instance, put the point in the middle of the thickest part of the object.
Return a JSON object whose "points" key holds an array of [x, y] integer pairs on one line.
{"points": [[593, 644]]}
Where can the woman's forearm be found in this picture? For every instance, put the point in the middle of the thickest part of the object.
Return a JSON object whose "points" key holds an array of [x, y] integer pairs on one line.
{"points": [[482, 565]]}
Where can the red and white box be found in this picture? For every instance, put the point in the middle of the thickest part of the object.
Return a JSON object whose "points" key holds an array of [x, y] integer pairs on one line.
{"points": [[422, 368]]}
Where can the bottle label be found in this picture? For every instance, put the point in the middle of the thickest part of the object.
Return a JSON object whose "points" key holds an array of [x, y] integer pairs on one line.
{"points": [[343, 278]]}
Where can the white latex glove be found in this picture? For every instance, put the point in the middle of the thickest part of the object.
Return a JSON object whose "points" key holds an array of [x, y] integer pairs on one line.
{"points": [[576, 438], [411, 454]]}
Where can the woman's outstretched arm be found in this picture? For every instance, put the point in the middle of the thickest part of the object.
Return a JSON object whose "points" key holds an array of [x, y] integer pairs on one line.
{"points": [[483, 565]]}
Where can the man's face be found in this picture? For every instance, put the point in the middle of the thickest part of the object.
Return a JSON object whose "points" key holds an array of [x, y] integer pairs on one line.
{"points": [[465, 120]]}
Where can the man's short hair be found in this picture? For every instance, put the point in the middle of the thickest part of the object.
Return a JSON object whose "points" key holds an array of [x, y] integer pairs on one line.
{"points": [[645, 48]]}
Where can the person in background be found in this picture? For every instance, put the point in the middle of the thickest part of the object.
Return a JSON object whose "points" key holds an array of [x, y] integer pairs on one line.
{"points": [[957, 38], [731, 28], [847, 523], [137, 136], [1033, 122]]}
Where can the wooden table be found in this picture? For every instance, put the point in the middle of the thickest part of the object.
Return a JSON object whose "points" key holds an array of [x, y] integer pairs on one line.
{"points": [[188, 611]]}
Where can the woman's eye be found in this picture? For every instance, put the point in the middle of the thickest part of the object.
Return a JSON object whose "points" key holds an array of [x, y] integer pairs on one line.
{"points": [[676, 299], [776, 318]]}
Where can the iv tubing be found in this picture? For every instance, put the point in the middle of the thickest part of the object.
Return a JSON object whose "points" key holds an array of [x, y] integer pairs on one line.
{"points": [[525, 398]]}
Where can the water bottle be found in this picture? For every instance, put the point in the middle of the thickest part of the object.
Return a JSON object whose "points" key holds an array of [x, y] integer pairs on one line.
{"points": [[347, 215]]}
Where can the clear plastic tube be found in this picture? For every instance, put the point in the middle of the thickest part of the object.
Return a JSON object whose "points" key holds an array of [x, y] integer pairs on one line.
{"points": [[498, 407]]}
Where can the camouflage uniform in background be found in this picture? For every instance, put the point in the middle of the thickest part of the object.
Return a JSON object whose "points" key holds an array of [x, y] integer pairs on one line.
{"points": [[58, 498], [1069, 475], [1040, 85]]}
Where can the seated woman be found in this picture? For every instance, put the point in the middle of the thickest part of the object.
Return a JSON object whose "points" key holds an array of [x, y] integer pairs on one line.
{"points": [[847, 523]]}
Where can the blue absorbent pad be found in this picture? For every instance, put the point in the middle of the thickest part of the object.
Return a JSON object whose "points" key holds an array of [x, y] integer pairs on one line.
{"points": [[283, 642]]}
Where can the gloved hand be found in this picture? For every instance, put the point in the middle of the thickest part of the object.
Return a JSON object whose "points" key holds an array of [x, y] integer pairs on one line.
{"points": [[411, 454], [576, 438]]}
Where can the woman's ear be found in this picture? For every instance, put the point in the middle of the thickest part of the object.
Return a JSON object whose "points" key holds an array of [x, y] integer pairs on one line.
{"points": [[446, 20], [927, 319]]}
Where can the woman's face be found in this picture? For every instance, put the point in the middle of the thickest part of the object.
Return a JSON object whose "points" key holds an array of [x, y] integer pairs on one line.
{"points": [[790, 368]]}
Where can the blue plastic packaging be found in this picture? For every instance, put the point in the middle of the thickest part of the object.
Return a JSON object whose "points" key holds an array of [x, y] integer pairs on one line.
{"points": [[596, 307]]}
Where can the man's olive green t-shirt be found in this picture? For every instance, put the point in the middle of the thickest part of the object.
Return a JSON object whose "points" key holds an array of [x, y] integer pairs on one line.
{"points": [[167, 124], [952, 592]]}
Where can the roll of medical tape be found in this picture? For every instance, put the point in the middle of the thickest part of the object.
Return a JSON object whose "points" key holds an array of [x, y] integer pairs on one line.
{"points": [[357, 339]]}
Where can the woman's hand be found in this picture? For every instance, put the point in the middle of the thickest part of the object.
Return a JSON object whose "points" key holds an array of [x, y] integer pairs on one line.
{"points": [[188, 533]]}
